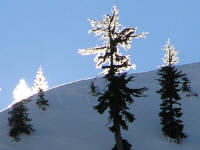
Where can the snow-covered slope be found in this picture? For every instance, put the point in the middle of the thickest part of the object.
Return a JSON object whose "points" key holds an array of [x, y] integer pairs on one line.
{"points": [[70, 122]]}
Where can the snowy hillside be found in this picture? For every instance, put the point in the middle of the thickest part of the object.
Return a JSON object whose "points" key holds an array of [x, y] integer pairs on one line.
{"points": [[70, 123]]}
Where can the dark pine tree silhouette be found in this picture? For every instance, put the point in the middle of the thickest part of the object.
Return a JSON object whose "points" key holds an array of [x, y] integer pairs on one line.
{"points": [[172, 81], [41, 101], [117, 99], [18, 121], [117, 96]]}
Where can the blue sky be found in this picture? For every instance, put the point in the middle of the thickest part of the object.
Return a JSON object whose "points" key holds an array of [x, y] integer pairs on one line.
{"points": [[49, 33]]}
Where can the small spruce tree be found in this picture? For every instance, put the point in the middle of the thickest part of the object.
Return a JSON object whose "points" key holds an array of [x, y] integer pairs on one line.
{"points": [[40, 85], [18, 121], [117, 96], [41, 101], [172, 82]]}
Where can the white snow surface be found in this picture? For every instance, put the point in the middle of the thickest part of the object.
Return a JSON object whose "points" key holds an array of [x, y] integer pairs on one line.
{"points": [[70, 122]]}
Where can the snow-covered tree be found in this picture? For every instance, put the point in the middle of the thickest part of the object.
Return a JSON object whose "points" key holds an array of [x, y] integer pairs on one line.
{"points": [[118, 96], [170, 57], [18, 121], [39, 82], [40, 85], [22, 91], [172, 82], [114, 36]]}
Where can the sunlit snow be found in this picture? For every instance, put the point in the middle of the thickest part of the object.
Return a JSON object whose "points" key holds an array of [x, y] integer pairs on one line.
{"points": [[71, 123]]}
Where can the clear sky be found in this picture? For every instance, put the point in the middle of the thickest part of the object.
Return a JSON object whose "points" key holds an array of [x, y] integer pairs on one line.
{"points": [[49, 33]]}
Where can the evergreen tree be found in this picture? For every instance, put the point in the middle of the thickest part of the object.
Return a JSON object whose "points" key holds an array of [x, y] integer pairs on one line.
{"points": [[40, 82], [18, 121], [40, 85], [172, 82], [41, 101], [118, 96], [22, 91]]}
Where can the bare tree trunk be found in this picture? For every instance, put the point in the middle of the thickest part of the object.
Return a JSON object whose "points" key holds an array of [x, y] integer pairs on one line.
{"points": [[118, 138]]}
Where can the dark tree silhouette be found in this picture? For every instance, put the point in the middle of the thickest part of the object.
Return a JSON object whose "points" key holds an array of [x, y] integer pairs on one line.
{"points": [[172, 82], [18, 121], [117, 99], [117, 96], [41, 101]]}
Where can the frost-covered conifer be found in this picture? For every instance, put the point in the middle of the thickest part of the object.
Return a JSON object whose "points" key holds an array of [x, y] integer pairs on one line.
{"points": [[118, 96], [40, 85], [22, 91], [170, 57], [18, 121], [172, 82], [39, 82], [114, 36]]}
